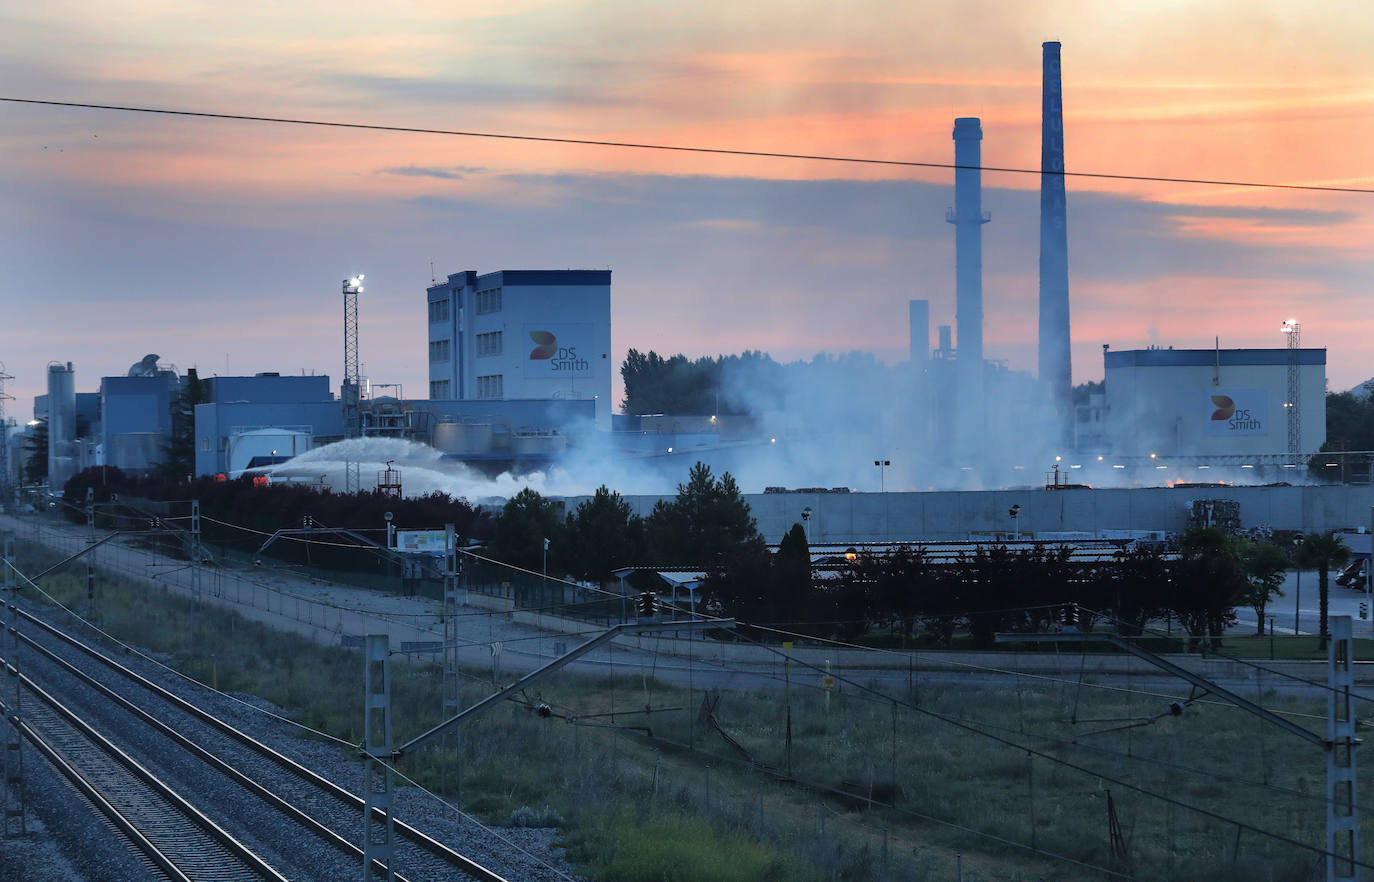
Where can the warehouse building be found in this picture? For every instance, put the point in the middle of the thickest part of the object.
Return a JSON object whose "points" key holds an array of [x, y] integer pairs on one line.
{"points": [[1214, 402]]}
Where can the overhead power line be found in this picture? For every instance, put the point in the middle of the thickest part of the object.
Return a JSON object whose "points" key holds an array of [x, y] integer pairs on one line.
{"points": [[677, 148]]}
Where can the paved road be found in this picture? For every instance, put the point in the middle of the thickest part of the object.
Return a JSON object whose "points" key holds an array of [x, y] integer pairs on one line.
{"points": [[492, 640]]}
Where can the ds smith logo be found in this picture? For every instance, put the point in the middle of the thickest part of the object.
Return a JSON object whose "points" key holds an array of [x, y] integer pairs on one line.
{"points": [[560, 358], [1226, 412]]}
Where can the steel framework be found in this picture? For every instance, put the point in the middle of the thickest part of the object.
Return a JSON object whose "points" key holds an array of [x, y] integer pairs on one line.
{"points": [[349, 392], [1294, 402], [4, 433]]}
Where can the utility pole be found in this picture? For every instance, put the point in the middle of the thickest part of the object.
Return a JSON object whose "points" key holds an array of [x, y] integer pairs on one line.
{"points": [[379, 836], [14, 808], [1342, 820], [450, 686], [195, 551], [4, 434]]}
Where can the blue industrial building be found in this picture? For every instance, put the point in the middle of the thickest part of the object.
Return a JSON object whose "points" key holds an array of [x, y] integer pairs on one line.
{"points": [[135, 420], [522, 334], [297, 413]]}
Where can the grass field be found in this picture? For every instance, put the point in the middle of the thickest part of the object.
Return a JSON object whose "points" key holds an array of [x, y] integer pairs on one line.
{"points": [[653, 782]]}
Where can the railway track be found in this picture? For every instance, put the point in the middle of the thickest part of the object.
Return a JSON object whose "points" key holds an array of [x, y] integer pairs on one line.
{"points": [[272, 798], [177, 840]]}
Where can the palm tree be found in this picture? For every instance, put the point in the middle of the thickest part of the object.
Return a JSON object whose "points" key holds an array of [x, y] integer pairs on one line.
{"points": [[1323, 551]]}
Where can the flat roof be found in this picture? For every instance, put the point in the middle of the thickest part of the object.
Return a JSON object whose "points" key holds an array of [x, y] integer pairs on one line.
{"points": [[1119, 358]]}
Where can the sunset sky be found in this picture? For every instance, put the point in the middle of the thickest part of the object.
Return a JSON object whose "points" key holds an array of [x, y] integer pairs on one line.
{"points": [[220, 244]]}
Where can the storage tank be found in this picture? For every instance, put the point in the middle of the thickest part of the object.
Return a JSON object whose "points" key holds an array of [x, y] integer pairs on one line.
{"points": [[540, 444], [61, 423], [463, 439], [245, 446]]}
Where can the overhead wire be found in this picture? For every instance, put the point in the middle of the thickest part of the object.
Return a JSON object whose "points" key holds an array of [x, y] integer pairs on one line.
{"points": [[977, 730], [134, 650], [969, 725], [676, 148]]}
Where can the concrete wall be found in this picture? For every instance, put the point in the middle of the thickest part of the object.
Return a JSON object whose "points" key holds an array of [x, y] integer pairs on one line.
{"points": [[860, 517]]}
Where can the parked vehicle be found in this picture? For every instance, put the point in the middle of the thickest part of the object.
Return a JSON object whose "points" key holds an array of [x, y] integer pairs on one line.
{"points": [[1353, 575]]}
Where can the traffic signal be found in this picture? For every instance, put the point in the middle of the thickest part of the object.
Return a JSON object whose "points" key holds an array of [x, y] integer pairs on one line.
{"points": [[648, 604], [1364, 609]]}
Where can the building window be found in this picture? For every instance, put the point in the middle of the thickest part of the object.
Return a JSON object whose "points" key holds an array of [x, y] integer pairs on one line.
{"points": [[491, 386], [489, 344], [488, 301], [438, 311], [439, 390], [438, 350], [205, 444]]}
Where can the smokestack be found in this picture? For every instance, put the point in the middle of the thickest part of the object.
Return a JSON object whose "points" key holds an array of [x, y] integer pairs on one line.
{"points": [[1055, 363], [968, 219], [920, 332]]}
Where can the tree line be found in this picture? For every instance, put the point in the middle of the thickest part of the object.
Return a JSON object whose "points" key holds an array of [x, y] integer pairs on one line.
{"points": [[1032, 590], [706, 523]]}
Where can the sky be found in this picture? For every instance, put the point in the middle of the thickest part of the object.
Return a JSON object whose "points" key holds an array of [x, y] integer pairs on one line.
{"points": [[220, 244]]}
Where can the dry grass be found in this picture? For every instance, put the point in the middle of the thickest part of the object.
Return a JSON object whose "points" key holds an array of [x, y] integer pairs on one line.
{"points": [[880, 784]]}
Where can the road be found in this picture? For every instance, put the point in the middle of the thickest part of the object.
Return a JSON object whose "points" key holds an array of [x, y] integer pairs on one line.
{"points": [[494, 640]]}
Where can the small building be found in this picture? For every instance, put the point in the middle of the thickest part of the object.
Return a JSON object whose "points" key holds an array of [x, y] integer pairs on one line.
{"points": [[522, 334], [247, 417]]}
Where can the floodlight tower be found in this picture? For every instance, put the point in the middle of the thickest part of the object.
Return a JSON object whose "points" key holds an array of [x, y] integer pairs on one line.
{"points": [[349, 392], [1294, 402]]}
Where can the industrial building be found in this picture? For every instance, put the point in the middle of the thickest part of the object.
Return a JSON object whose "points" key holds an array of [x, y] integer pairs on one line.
{"points": [[247, 421], [522, 334], [1214, 402]]}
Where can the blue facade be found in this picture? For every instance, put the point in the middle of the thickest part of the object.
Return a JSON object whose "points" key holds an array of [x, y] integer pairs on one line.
{"points": [[239, 404], [267, 389], [135, 420]]}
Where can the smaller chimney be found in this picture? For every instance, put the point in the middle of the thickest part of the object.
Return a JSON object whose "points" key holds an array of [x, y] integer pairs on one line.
{"points": [[920, 332]]}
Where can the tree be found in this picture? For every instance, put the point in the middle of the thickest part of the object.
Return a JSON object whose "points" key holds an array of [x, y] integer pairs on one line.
{"points": [[1322, 552], [603, 534], [1209, 580], [1265, 565], [179, 453], [708, 521], [527, 520], [36, 464], [793, 559]]}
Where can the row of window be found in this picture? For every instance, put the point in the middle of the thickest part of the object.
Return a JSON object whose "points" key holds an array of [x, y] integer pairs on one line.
{"points": [[491, 386], [488, 301], [439, 390], [438, 350], [438, 311], [489, 344]]}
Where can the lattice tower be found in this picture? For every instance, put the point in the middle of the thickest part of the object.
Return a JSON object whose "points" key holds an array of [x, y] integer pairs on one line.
{"points": [[1294, 389]]}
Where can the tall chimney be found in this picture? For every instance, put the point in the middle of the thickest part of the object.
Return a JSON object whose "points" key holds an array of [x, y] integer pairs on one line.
{"points": [[1055, 362], [968, 219]]}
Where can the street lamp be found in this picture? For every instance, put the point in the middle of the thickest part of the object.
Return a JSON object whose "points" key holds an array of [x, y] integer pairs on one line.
{"points": [[882, 465], [806, 523], [1297, 593], [390, 531], [1014, 511]]}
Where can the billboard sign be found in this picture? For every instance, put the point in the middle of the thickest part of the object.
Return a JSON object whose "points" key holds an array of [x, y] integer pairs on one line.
{"points": [[1236, 412], [559, 350], [420, 541]]}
